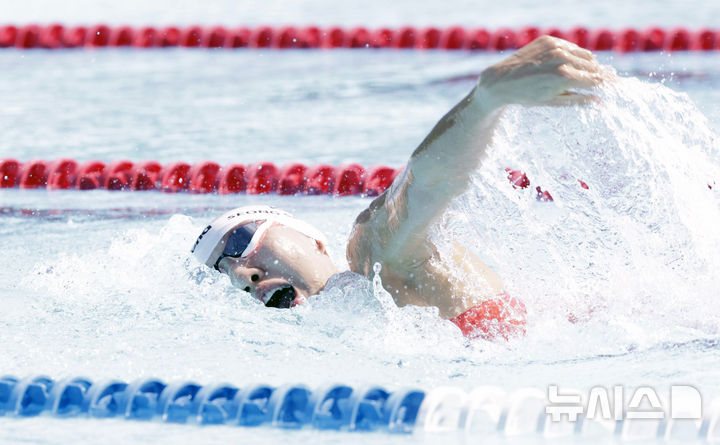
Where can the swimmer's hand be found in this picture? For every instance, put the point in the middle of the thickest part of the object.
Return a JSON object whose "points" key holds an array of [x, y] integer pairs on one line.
{"points": [[548, 71]]}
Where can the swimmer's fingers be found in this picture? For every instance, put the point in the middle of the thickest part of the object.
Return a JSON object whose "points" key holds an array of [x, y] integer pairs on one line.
{"points": [[580, 78], [577, 79], [562, 51], [585, 60], [581, 53], [595, 72], [580, 64]]}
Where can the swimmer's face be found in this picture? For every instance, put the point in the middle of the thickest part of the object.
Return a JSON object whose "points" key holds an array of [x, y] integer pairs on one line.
{"points": [[286, 268]]}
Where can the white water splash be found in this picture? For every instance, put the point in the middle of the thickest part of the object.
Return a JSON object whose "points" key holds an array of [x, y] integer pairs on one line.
{"points": [[385, 299], [635, 254]]}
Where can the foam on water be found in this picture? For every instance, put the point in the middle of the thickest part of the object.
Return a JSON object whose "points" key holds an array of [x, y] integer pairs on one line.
{"points": [[634, 258], [141, 305]]}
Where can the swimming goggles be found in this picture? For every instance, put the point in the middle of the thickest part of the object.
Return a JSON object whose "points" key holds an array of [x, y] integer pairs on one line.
{"points": [[244, 240]]}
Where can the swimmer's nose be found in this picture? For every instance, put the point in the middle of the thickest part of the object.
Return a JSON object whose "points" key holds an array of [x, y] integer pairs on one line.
{"points": [[246, 278]]}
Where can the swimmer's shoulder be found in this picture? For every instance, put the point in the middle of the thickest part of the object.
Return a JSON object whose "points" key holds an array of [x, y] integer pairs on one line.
{"points": [[360, 245]]}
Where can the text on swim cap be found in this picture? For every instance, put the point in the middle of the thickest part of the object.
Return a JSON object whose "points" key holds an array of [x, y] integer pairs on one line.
{"points": [[254, 212], [197, 241]]}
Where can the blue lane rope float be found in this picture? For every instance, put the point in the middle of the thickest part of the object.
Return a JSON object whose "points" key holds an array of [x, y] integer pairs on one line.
{"points": [[483, 411], [333, 406]]}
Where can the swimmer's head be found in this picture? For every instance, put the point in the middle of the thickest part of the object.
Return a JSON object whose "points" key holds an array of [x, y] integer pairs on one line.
{"points": [[277, 258]]}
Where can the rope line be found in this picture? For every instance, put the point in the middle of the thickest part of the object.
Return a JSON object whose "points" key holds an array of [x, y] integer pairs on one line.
{"points": [[257, 178], [56, 36], [484, 411], [202, 177]]}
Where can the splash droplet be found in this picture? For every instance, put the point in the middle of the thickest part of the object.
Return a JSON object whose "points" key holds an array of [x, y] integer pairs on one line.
{"points": [[380, 293]]}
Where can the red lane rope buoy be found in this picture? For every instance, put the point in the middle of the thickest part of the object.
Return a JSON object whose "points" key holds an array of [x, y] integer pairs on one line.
{"points": [[9, 173], [90, 175], [202, 177], [55, 36], [292, 179], [320, 179], [259, 178], [33, 174]]}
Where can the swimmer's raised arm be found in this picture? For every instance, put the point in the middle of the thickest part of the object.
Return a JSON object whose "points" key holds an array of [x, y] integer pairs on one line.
{"points": [[393, 230]]}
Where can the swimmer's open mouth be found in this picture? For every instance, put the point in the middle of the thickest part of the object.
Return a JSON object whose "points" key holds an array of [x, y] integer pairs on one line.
{"points": [[282, 297]]}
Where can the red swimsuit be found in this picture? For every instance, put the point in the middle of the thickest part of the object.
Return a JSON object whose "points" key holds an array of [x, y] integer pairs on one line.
{"points": [[503, 316]]}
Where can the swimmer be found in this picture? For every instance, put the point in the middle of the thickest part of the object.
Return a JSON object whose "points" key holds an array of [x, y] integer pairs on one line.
{"points": [[283, 261]]}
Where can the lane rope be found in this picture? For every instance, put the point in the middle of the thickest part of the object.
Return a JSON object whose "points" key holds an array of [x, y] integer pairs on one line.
{"points": [[294, 178], [484, 411], [201, 177], [56, 36]]}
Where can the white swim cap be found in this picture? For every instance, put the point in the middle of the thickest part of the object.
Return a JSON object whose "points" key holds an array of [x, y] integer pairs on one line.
{"points": [[220, 226]]}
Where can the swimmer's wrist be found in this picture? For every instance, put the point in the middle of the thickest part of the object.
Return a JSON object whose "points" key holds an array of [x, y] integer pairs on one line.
{"points": [[483, 99]]}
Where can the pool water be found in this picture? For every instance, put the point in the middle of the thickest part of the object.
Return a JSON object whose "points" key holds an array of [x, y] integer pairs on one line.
{"points": [[101, 284]]}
